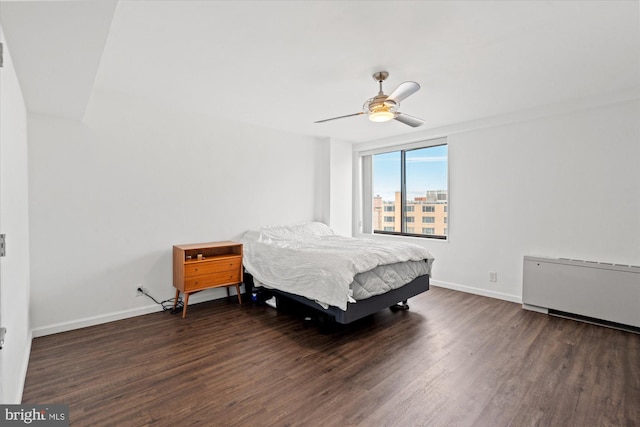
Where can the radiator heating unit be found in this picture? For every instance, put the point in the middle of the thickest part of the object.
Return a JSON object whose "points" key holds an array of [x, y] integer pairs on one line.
{"points": [[597, 292]]}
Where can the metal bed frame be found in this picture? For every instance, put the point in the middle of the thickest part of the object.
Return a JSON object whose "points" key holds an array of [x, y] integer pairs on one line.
{"points": [[395, 299]]}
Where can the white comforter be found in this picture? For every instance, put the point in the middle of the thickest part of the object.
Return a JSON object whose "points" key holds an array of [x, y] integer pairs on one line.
{"points": [[312, 261]]}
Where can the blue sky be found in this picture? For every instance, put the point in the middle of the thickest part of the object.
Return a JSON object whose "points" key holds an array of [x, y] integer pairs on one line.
{"points": [[426, 170]]}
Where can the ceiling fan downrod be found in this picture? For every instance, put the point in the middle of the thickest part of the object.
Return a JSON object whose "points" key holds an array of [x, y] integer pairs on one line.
{"points": [[380, 76]]}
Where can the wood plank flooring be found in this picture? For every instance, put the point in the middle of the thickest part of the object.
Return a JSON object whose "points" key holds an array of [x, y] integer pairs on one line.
{"points": [[454, 359]]}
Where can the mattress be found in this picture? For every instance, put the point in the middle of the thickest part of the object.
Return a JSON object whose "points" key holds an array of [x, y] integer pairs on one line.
{"points": [[379, 280], [384, 278]]}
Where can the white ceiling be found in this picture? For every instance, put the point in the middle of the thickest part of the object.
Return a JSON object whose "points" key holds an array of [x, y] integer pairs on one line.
{"points": [[287, 64]]}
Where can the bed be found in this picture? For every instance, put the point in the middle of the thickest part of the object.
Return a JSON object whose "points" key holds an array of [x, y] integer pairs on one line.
{"points": [[344, 278]]}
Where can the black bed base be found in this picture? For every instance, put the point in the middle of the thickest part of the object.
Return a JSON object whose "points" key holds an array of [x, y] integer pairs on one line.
{"points": [[364, 307]]}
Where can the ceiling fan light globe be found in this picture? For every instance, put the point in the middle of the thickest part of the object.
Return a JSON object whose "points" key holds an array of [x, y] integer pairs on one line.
{"points": [[381, 116]]}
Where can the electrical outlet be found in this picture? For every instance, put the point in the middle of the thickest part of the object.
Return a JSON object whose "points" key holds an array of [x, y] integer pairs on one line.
{"points": [[493, 276], [140, 290]]}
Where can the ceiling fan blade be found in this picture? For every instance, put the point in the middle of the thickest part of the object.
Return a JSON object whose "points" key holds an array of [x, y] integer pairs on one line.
{"points": [[340, 117], [404, 90], [409, 120]]}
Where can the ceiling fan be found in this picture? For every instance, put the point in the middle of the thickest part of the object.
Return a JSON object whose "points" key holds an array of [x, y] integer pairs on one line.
{"points": [[382, 108]]}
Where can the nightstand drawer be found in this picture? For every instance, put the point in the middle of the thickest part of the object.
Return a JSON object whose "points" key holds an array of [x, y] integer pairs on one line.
{"points": [[213, 266], [211, 280]]}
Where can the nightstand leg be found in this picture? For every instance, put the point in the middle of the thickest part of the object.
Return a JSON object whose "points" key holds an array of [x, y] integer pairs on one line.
{"points": [[184, 308], [175, 300], [238, 292]]}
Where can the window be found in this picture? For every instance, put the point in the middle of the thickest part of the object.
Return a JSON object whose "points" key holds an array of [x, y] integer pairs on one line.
{"points": [[409, 180], [390, 208], [389, 219]]}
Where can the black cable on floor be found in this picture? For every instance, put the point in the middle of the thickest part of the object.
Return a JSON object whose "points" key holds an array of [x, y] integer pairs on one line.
{"points": [[167, 305]]}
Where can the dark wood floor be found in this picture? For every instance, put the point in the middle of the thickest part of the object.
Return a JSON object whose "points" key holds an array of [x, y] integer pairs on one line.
{"points": [[454, 359]]}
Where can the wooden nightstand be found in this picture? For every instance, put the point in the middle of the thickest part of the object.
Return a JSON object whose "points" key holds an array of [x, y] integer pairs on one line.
{"points": [[201, 266]]}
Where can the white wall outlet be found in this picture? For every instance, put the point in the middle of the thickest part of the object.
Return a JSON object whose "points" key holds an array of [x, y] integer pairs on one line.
{"points": [[493, 276], [140, 290]]}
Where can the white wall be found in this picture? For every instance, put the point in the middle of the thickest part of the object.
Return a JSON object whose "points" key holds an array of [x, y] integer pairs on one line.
{"points": [[110, 196], [14, 214], [341, 196], [561, 186]]}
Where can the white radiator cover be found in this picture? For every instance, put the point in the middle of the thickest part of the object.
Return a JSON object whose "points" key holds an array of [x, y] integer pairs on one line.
{"points": [[603, 291]]}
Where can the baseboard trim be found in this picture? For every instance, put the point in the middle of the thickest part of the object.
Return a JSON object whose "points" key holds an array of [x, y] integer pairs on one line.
{"points": [[125, 314], [112, 317], [477, 291], [25, 366], [92, 321]]}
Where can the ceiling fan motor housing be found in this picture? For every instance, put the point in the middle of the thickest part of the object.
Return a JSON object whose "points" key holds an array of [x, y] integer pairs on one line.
{"points": [[379, 102]]}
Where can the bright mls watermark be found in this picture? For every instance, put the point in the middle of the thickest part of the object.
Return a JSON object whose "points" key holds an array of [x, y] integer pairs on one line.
{"points": [[34, 415]]}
